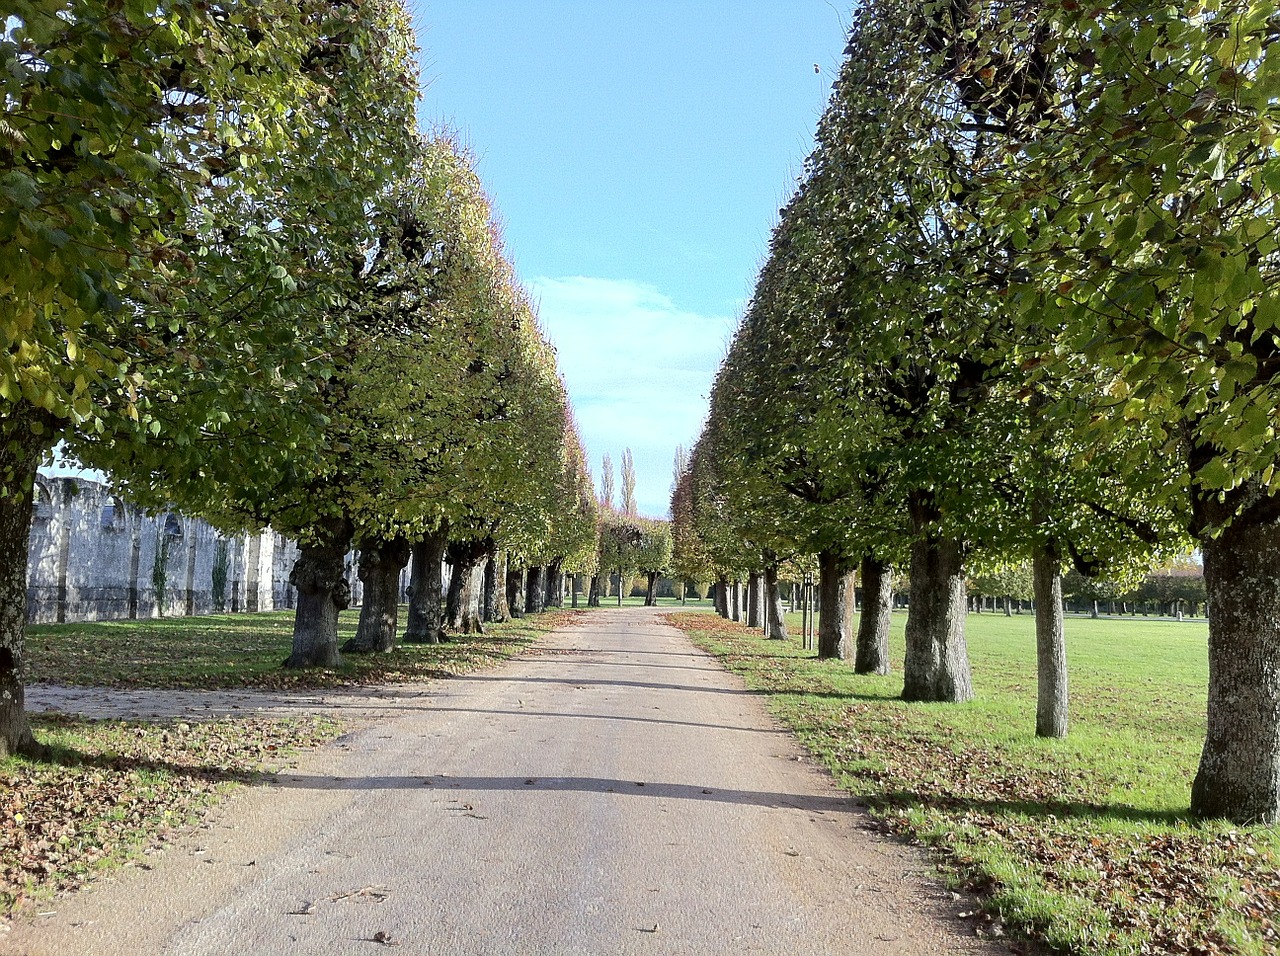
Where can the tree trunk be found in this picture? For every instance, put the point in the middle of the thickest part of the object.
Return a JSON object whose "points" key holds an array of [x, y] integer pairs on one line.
{"points": [[20, 454], [554, 584], [535, 590], [722, 597], [323, 591], [1051, 644], [877, 614], [462, 605], [753, 615], [735, 608], [426, 588], [593, 591], [491, 594], [515, 590], [835, 608], [651, 590], [937, 662], [380, 565], [1008, 606], [1239, 774], [776, 628]]}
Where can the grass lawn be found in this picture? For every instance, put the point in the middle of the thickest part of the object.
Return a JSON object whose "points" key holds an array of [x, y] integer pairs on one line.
{"points": [[1083, 843], [116, 789], [246, 650]]}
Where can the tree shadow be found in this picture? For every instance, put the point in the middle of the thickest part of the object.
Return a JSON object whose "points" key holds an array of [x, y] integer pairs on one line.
{"points": [[812, 803], [593, 682], [1039, 809]]}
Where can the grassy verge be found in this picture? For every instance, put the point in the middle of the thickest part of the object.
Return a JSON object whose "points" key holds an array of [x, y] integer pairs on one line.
{"points": [[116, 789], [246, 650], [1081, 843]]}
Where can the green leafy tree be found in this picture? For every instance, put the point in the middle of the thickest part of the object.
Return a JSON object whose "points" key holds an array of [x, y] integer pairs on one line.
{"points": [[158, 217]]}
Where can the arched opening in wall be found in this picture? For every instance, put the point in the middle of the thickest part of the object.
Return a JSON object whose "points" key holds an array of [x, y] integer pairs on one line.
{"points": [[173, 527], [113, 515]]}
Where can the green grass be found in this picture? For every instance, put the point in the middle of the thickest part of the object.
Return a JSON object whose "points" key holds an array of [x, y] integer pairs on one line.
{"points": [[246, 650], [1083, 843]]}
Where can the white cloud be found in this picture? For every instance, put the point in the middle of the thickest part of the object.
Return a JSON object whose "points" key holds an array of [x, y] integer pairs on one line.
{"points": [[638, 369]]}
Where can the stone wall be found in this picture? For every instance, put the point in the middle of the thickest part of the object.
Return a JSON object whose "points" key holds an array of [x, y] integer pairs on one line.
{"points": [[94, 557]]}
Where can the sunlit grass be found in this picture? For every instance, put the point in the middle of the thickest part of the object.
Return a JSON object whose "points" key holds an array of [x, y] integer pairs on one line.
{"points": [[1083, 842]]}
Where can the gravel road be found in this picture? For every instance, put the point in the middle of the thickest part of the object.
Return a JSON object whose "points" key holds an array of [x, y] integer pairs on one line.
{"points": [[613, 791]]}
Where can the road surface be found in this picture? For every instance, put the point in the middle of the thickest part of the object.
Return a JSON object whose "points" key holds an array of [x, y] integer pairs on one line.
{"points": [[612, 792]]}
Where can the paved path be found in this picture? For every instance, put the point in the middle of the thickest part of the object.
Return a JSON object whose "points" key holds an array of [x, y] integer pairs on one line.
{"points": [[613, 792]]}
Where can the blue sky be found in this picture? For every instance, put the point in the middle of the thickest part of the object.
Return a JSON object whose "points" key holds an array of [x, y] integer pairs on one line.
{"points": [[637, 155]]}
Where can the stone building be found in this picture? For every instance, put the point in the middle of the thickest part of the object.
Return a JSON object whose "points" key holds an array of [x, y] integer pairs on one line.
{"points": [[94, 557]]}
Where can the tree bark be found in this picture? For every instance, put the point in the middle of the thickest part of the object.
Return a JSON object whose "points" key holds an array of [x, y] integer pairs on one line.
{"points": [[877, 614], [735, 609], [323, 591], [554, 584], [495, 590], [1051, 644], [835, 607], [462, 605], [1239, 773], [937, 661], [535, 590], [426, 596], [515, 590], [755, 601], [380, 565], [593, 592], [20, 454], [722, 597], [651, 590], [776, 628]]}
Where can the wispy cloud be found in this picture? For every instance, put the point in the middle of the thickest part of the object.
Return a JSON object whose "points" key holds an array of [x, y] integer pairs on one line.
{"points": [[638, 369]]}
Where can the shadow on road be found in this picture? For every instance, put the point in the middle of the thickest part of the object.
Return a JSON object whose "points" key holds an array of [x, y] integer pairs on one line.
{"points": [[593, 682], [628, 788], [635, 720]]}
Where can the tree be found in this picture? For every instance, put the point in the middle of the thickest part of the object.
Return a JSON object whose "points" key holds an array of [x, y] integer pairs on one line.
{"points": [[137, 138], [629, 484], [1141, 210], [606, 482], [653, 557]]}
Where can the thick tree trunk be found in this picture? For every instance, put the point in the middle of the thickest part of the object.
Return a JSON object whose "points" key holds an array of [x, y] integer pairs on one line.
{"points": [[835, 608], [426, 588], [535, 590], [735, 601], [593, 592], [1239, 774], [1008, 606], [755, 601], [877, 614], [937, 661], [554, 584], [20, 453], [380, 565], [323, 591], [515, 590], [493, 600], [722, 597], [651, 590], [776, 626], [1051, 644], [466, 581]]}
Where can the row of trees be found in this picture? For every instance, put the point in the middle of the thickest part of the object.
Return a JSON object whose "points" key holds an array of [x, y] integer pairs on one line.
{"points": [[236, 277], [1022, 307]]}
